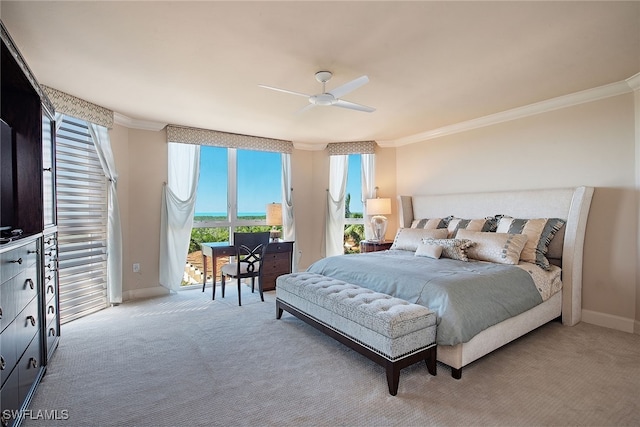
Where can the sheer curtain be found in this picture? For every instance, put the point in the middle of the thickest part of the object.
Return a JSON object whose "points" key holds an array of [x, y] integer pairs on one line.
{"points": [[178, 205], [288, 219], [334, 232], [368, 162], [101, 140]]}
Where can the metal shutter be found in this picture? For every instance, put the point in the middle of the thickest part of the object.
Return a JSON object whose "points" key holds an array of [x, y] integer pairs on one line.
{"points": [[82, 222]]}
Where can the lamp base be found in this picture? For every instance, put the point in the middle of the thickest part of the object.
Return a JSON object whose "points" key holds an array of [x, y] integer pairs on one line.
{"points": [[379, 228], [274, 234]]}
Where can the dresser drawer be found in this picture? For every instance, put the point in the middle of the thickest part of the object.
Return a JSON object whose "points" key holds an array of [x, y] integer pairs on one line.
{"points": [[52, 335], [8, 351], [15, 260], [16, 293], [29, 367], [27, 325]]}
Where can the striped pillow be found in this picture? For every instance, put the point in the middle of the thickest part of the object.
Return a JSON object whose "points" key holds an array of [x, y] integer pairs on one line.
{"points": [[430, 223], [539, 232], [485, 224]]}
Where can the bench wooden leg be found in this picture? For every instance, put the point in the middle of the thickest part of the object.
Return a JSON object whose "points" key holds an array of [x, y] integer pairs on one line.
{"points": [[278, 310], [393, 378], [431, 360]]}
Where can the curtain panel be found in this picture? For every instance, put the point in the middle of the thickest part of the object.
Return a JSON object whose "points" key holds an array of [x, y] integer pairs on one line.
{"points": [[79, 108], [189, 135], [368, 162], [288, 219], [102, 143], [176, 217], [334, 231]]}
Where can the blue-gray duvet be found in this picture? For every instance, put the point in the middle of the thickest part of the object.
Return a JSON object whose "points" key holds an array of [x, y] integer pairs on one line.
{"points": [[468, 297]]}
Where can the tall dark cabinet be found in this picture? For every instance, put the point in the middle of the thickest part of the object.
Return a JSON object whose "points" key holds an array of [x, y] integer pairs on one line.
{"points": [[29, 321]]}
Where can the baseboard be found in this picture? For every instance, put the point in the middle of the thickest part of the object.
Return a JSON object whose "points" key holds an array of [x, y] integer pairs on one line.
{"points": [[153, 291], [611, 321]]}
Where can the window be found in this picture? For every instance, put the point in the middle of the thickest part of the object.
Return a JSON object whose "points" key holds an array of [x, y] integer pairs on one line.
{"points": [[354, 221], [82, 222], [234, 188]]}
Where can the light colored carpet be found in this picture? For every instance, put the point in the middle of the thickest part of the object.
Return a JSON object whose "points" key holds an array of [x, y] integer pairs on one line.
{"points": [[184, 360]]}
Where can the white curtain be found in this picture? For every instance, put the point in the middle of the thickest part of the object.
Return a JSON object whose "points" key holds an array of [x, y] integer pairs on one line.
{"points": [[368, 162], [288, 219], [334, 233], [101, 140], [178, 206]]}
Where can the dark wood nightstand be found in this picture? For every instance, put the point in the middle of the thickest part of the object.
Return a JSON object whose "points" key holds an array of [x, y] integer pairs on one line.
{"points": [[367, 246], [277, 262]]}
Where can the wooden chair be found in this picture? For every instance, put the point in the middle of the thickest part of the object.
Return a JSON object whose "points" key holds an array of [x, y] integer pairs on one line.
{"points": [[250, 249]]}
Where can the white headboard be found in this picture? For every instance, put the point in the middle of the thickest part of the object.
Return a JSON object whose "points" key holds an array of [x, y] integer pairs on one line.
{"points": [[570, 204]]}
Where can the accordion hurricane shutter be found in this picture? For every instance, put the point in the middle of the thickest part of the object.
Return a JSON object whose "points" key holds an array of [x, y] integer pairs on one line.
{"points": [[539, 232]]}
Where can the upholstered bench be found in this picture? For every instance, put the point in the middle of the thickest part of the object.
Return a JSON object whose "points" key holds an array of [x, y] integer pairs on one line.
{"points": [[390, 331]]}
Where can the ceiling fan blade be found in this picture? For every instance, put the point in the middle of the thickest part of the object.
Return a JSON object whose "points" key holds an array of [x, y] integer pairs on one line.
{"points": [[305, 108], [341, 91], [353, 106], [285, 91]]}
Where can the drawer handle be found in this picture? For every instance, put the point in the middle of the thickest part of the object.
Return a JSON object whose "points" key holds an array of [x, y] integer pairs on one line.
{"points": [[52, 332], [0, 312], [3, 364], [51, 310], [32, 320], [30, 283], [32, 252], [52, 289], [33, 362], [19, 261]]}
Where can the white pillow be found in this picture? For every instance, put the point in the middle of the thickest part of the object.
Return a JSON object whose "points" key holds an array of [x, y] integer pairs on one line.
{"points": [[408, 239], [429, 251], [502, 248]]}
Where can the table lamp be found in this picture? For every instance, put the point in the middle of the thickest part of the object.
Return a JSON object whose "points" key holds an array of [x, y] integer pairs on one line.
{"points": [[274, 217], [378, 208]]}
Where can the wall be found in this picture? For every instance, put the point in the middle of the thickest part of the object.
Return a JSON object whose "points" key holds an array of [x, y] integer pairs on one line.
{"points": [[590, 144], [141, 161]]}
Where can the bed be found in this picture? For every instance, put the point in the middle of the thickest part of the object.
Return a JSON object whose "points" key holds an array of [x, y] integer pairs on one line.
{"points": [[520, 311]]}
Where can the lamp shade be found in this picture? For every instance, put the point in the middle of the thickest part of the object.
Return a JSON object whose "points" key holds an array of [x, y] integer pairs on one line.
{"points": [[274, 214], [378, 206]]}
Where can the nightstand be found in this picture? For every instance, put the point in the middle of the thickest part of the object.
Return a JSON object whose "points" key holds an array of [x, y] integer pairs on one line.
{"points": [[368, 246]]}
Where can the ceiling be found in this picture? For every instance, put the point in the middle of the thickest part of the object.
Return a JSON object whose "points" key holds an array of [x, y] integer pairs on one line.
{"points": [[431, 64]]}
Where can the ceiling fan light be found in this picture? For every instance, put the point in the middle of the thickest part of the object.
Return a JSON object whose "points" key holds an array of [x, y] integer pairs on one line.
{"points": [[322, 99]]}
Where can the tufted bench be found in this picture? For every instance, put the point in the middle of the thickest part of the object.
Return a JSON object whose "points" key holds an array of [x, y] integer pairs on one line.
{"points": [[390, 331]]}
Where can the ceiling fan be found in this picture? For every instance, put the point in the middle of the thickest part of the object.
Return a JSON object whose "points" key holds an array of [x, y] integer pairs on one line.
{"points": [[333, 97]]}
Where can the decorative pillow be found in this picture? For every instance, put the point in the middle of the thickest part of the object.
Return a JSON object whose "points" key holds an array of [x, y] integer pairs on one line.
{"points": [[503, 248], [452, 248], [429, 251], [540, 231], [430, 224], [408, 239], [485, 224]]}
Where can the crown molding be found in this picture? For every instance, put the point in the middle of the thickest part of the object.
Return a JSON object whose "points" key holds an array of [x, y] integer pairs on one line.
{"points": [[634, 82], [577, 98], [130, 123]]}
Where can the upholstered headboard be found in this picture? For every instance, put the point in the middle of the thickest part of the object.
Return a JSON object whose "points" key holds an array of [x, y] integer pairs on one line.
{"points": [[570, 204]]}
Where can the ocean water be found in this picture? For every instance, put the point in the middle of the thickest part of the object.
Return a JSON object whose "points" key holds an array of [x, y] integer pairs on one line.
{"points": [[224, 214]]}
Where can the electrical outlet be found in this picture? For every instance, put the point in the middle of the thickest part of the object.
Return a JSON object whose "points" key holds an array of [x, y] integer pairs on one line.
{"points": [[136, 268]]}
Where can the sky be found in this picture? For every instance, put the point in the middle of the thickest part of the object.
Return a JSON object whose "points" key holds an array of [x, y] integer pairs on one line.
{"points": [[259, 180]]}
